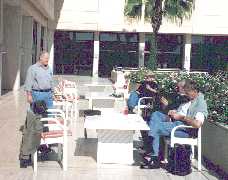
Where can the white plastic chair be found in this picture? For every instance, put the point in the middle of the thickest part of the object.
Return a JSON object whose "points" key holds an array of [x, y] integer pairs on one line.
{"points": [[189, 141], [143, 106], [52, 137], [121, 86], [71, 95]]}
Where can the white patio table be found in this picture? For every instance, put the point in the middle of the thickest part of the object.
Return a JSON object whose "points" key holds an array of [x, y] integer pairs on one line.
{"points": [[99, 95], [98, 87], [115, 132]]}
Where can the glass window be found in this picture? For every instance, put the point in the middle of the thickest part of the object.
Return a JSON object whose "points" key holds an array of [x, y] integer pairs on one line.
{"points": [[83, 36], [108, 37], [42, 38], [34, 44]]}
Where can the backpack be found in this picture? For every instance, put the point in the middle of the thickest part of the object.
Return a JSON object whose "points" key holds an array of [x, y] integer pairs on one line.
{"points": [[179, 160]]}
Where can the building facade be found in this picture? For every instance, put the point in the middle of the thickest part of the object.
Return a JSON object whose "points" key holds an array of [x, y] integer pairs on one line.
{"points": [[91, 36], [108, 38], [25, 30]]}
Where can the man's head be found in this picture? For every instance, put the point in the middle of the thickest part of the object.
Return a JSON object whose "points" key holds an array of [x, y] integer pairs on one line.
{"points": [[44, 58], [180, 87], [191, 89], [150, 77]]}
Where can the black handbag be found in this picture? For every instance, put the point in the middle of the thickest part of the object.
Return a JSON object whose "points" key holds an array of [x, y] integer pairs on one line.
{"points": [[179, 160]]}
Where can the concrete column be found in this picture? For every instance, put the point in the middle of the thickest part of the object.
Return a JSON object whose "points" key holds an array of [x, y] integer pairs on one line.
{"points": [[96, 50], [27, 41], [12, 40], [38, 40], [50, 48], [1, 22], [187, 52], [1, 42], [141, 49]]}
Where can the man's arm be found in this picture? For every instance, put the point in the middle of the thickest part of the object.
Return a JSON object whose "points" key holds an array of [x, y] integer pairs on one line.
{"points": [[28, 84], [194, 122]]}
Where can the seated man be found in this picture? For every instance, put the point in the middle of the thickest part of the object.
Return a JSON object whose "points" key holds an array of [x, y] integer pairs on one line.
{"points": [[162, 124]]}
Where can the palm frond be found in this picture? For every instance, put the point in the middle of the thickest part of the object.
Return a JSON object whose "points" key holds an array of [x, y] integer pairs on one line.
{"points": [[133, 8], [177, 10]]}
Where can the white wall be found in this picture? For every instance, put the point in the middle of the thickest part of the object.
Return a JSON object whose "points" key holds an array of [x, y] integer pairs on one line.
{"points": [[209, 17]]}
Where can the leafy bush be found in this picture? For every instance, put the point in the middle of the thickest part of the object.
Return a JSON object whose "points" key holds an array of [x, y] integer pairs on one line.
{"points": [[214, 87]]}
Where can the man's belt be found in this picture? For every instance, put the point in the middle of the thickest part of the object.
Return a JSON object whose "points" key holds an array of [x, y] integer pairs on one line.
{"points": [[41, 90]]}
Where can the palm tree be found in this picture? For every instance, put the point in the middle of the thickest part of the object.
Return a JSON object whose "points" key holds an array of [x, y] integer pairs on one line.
{"points": [[153, 11]]}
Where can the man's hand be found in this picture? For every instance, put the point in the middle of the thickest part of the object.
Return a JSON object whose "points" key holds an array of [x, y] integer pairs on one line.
{"points": [[171, 112], [178, 116], [151, 89], [29, 97]]}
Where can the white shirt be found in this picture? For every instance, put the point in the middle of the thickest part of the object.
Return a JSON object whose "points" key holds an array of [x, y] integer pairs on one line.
{"points": [[183, 109]]}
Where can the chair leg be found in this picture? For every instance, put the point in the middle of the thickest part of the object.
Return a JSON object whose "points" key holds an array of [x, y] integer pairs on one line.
{"points": [[35, 162], [64, 162], [199, 157], [60, 148], [193, 152], [85, 133]]}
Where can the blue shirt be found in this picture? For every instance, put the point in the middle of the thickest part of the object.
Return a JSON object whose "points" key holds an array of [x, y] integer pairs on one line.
{"points": [[39, 77]]}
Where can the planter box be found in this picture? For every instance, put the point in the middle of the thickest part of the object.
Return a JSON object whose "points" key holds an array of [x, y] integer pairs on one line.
{"points": [[215, 144]]}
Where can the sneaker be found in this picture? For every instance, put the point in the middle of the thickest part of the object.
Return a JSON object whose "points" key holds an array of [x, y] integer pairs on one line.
{"points": [[150, 162]]}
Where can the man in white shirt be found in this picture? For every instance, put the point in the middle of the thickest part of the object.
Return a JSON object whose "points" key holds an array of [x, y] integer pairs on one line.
{"points": [[192, 113]]}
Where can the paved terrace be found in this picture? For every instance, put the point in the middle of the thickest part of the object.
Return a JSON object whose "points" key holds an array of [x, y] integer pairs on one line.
{"points": [[81, 152]]}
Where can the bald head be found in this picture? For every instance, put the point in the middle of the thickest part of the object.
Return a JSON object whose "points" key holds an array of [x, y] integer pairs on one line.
{"points": [[44, 58], [180, 86]]}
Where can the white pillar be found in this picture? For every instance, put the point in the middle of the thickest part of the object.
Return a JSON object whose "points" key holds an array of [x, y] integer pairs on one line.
{"points": [[50, 48], [187, 52], [96, 54], [141, 49], [12, 40]]}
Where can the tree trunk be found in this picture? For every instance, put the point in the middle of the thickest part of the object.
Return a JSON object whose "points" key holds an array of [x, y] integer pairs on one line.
{"points": [[152, 64], [156, 20]]}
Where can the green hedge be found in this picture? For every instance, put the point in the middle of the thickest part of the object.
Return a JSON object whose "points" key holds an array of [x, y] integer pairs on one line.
{"points": [[214, 87]]}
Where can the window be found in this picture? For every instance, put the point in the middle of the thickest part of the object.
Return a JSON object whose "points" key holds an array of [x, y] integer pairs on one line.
{"points": [[34, 44], [83, 36], [108, 37], [42, 38]]}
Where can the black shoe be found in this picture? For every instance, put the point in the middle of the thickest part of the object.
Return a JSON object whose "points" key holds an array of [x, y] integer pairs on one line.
{"points": [[25, 162], [150, 162]]}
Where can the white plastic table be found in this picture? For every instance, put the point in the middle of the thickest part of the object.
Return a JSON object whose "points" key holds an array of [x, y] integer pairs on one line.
{"points": [[115, 135], [98, 95]]}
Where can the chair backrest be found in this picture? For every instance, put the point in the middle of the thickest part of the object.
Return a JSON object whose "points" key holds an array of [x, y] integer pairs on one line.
{"points": [[70, 91]]}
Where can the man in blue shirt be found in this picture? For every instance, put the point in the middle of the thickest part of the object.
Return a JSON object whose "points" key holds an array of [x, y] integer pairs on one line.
{"points": [[39, 81]]}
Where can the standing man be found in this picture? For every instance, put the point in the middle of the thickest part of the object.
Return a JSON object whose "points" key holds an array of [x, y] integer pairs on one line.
{"points": [[39, 81]]}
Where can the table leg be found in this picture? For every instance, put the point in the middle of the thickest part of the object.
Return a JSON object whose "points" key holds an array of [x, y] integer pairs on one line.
{"points": [[115, 146]]}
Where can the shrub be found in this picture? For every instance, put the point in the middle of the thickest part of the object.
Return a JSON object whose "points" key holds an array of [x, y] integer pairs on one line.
{"points": [[214, 87]]}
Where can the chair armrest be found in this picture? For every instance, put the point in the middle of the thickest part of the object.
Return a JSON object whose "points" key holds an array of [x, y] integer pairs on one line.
{"points": [[56, 112], [179, 127], [142, 106], [53, 120]]}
